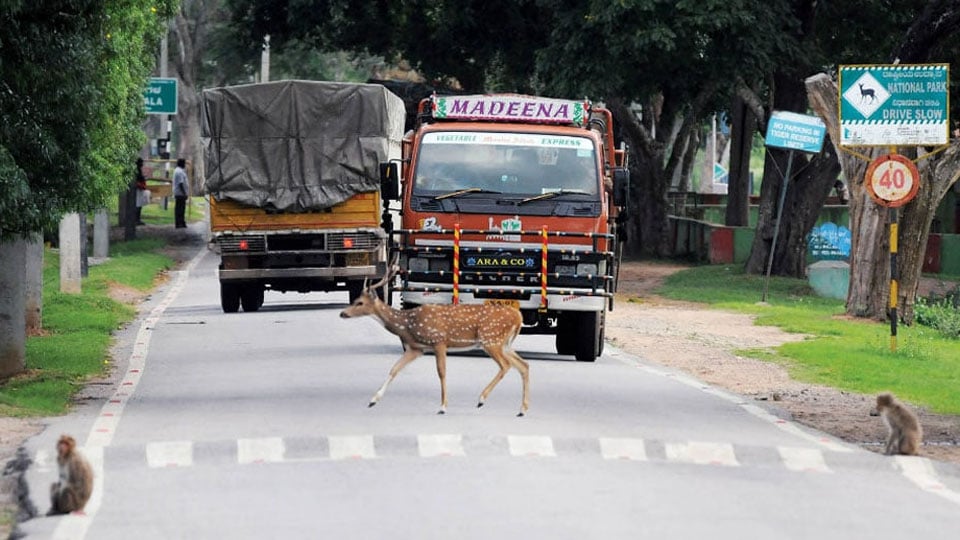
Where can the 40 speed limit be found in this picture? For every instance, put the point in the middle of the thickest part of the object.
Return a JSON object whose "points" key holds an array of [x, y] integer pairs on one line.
{"points": [[892, 180]]}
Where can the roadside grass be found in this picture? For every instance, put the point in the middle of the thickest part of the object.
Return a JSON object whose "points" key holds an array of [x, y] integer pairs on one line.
{"points": [[77, 329], [844, 353]]}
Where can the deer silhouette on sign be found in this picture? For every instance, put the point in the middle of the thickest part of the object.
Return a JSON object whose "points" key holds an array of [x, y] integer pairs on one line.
{"points": [[867, 93]]}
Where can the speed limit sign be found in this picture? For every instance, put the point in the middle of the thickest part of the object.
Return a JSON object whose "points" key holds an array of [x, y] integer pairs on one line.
{"points": [[892, 180]]}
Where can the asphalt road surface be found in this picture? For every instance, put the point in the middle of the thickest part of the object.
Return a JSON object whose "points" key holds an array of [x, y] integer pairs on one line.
{"points": [[256, 425]]}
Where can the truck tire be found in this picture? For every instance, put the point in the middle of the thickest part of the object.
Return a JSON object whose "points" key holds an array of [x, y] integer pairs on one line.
{"points": [[589, 335], [567, 332], [251, 297], [229, 297]]}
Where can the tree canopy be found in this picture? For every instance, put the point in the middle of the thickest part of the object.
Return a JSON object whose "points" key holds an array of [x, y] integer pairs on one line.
{"points": [[72, 74]]}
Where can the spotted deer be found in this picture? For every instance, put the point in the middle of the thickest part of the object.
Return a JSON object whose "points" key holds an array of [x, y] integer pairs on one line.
{"points": [[442, 328]]}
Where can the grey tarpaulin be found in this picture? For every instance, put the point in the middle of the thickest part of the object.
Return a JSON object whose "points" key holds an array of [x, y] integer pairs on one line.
{"points": [[291, 146]]}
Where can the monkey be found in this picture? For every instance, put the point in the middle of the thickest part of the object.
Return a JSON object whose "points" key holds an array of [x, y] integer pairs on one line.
{"points": [[71, 491], [905, 432]]}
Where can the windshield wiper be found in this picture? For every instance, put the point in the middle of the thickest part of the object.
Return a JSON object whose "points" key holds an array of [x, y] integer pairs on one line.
{"points": [[464, 192], [552, 194]]}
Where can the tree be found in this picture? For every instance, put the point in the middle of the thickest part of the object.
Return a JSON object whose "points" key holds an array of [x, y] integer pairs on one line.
{"points": [[71, 95]]}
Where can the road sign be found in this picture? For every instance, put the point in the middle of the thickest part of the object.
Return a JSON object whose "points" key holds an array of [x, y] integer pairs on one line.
{"points": [[897, 104], [892, 180], [720, 175], [160, 96], [795, 131]]}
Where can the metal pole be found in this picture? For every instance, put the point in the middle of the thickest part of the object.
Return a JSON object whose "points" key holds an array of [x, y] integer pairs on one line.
{"points": [[894, 277], [776, 227]]}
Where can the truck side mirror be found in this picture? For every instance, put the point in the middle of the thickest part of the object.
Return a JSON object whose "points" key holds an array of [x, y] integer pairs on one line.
{"points": [[389, 176], [621, 186]]}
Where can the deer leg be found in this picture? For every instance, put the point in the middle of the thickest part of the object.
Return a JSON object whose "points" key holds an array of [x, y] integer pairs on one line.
{"points": [[409, 355], [524, 370], [440, 350], [496, 353]]}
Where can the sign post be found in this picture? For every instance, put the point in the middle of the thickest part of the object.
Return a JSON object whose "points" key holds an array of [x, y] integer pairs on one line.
{"points": [[892, 181], [793, 132], [893, 105]]}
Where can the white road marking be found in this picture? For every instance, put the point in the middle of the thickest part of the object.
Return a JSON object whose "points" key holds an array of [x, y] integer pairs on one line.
{"points": [[920, 471], [803, 459], [440, 445], [352, 447], [170, 454], [73, 526], [702, 453], [620, 448], [265, 450], [530, 445]]}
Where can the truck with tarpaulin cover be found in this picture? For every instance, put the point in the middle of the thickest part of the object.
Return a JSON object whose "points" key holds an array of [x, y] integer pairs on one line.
{"points": [[514, 199], [293, 181]]}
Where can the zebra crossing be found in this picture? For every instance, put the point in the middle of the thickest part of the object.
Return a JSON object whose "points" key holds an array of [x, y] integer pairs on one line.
{"points": [[267, 450]]}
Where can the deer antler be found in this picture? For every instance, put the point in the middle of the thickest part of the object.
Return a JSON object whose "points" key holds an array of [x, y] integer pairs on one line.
{"points": [[392, 269]]}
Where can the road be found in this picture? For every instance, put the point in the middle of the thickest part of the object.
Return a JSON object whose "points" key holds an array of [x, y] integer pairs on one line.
{"points": [[256, 425]]}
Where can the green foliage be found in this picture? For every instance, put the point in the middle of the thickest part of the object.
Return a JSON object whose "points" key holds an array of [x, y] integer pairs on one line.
{"points": [[941, 314], [78, 328], [71, 82], [848, 354]]}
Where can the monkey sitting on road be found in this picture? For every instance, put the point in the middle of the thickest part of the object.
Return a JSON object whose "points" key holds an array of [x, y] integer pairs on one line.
{"points": [[904, 428], [71, 491]]}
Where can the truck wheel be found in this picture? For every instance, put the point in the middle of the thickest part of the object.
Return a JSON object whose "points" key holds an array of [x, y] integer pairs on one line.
{"points": [[251, 296], [567, 332], [588, 334], [229, 297]]}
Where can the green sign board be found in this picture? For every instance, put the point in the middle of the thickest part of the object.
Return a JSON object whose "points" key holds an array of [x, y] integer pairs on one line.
{"points": [[896, 104], [160, 96]]}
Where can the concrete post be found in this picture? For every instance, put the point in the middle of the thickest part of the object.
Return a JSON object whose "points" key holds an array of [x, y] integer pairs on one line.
{"points": [[101, 234], [84, 244], [70, 254], [33, 306], [13, 334]]}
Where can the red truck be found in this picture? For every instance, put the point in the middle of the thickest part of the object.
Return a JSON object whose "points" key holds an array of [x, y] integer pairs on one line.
{"points": [[513, 199]]}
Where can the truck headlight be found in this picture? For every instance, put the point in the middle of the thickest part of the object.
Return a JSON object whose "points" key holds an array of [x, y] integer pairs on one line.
{"points": [[418, 264], [589, 269]]}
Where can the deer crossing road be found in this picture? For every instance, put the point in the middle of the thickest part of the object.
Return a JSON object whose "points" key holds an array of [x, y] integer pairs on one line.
{"points": [[256, 425]]}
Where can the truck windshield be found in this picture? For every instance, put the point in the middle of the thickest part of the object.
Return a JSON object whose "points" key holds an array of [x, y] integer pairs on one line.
{"points": [[505, 163]]}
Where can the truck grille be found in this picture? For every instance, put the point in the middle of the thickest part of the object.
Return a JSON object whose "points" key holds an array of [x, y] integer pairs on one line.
{"points": [[357, 240], [242, 244]]}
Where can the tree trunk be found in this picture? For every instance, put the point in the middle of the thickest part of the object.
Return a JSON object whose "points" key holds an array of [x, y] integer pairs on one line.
{"points": [[870, 251], [741, 143], [648, 226], [13, 333]]}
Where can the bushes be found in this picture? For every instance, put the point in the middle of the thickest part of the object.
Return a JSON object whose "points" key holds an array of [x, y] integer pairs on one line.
{"points": [[942, 314]]}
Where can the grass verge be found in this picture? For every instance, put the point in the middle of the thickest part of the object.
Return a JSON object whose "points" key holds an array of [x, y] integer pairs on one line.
{"points": [[844, 353], [77, 329]]}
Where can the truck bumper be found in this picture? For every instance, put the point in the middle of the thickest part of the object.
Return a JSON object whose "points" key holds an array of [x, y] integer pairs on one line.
{"points": [[555, 302], [352, 272]]}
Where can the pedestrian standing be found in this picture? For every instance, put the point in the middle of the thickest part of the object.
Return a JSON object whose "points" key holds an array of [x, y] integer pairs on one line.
{"points": [[180, 193], [142, 193]]}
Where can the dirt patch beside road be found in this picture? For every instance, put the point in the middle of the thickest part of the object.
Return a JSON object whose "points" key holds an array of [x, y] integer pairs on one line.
{"points": [[701, 341]]}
